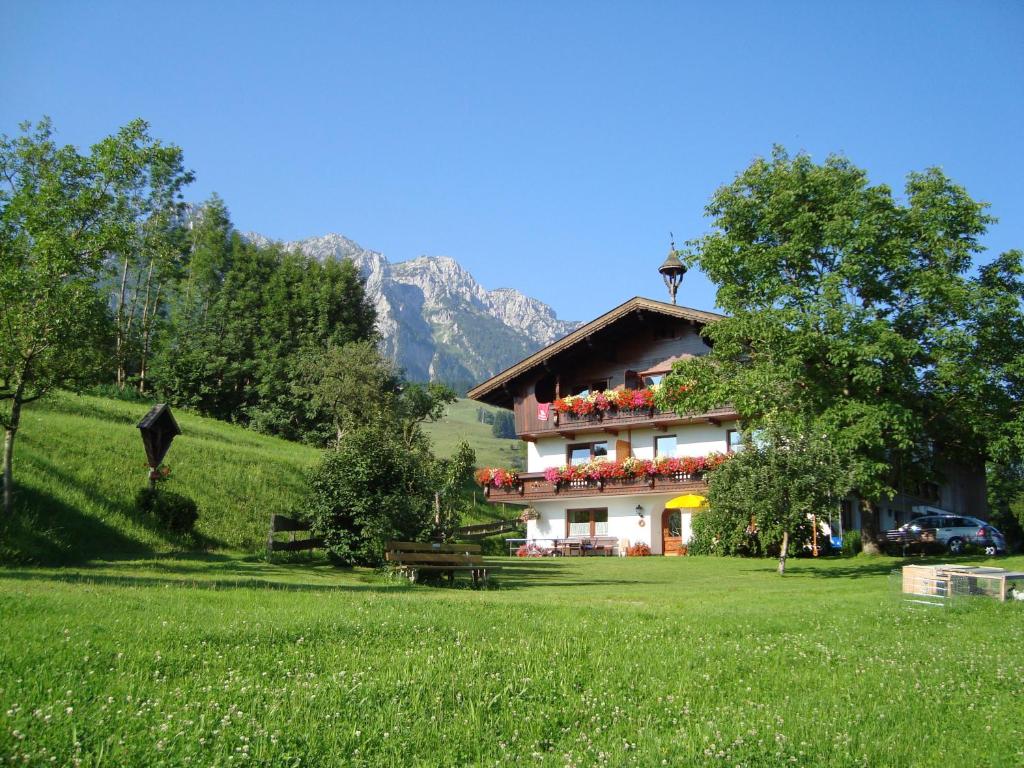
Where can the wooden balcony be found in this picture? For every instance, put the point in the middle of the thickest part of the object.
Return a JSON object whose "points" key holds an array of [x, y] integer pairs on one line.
{"points": [[534, 487], [569, 425]]}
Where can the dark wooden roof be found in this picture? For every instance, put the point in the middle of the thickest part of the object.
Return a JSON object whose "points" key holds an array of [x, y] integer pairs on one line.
{"points": [[160, 413], [494, 390]]}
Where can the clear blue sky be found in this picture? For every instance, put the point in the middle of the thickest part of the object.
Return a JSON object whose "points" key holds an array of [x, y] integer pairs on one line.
{"points": [[547, 146]]}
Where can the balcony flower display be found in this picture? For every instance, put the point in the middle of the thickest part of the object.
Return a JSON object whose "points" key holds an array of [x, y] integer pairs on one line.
{"points": [[494, 477], [610, 399], [603, 470]]}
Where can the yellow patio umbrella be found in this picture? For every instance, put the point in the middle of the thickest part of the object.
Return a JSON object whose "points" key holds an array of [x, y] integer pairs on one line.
{"points": [[688, 501]]}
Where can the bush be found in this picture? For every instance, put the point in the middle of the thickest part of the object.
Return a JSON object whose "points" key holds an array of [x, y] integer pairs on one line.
{"points": [[851, 543], [371, 489], [173, 511], [638, 550], [717, 531]]}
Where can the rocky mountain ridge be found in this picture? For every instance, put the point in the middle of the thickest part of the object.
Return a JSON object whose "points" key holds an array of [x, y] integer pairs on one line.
{"points": [[436, 321]]}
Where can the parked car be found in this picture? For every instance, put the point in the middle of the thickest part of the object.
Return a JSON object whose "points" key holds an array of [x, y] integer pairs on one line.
{"points": [[951, 532]]}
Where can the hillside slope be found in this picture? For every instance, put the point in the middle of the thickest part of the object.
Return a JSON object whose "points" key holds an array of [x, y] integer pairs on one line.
{"points": [[79, 462], [460, 422]]}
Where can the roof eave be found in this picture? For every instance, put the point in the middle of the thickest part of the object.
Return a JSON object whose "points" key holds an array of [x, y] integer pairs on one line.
{"points": [[485, 391]]}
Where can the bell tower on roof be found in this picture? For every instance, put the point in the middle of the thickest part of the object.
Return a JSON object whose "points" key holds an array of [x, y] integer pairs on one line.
{"points": [[672, 270]]}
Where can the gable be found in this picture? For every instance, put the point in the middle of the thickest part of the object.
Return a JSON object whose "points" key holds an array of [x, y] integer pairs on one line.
{"points": [[622, 328]]}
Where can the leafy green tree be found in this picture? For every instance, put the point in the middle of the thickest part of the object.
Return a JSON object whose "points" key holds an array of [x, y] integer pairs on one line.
{"points": [[368, 490], [764, 498], [306, 305], [348, 385], [860, 313], [150, 256], [451, 475], [246, 319], [417, 404], [61, 212]]}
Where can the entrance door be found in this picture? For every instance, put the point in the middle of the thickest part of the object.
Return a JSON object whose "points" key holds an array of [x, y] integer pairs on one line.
{"points": [[671, 532]]}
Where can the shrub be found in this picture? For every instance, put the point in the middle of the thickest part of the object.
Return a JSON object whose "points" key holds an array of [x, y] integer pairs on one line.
{"points": [[371, 489], [851, 543], [638, 550], [173, 511]]}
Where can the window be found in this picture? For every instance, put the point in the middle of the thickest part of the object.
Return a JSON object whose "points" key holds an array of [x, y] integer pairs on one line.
{"points": [[654, 378], [587, 522], [592, 386], [665, 445], [733, 440], [584, 452]]}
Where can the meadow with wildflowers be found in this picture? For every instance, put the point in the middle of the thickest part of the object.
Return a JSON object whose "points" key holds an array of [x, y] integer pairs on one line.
{"points": [[220, 660]]}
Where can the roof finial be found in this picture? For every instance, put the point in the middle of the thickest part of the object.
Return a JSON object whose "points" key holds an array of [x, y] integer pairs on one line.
{"points": [[673, 269]]}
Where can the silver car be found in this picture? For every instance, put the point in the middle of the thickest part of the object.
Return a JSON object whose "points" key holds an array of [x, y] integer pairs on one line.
{"points": [[955, 532]]}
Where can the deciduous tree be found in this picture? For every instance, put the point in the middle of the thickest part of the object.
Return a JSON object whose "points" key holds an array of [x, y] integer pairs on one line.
{"points": [[863, 314], [61, 213], [787, 475]]}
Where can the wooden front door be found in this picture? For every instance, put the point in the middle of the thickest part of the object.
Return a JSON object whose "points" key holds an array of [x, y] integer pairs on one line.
{"points": [[672, 532]]}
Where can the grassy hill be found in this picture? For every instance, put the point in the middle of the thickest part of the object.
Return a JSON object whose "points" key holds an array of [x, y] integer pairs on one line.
{"points": [[461, 423], [79, 462]]}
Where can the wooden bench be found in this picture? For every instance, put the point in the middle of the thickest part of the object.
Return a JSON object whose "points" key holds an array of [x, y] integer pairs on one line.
{"points": [[282, 524], [414, 558]]}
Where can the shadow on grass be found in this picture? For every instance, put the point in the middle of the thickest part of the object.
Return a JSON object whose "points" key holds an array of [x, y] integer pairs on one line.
{"points": [[528, 573], [45, 530], [868, 567], [128, 580]]}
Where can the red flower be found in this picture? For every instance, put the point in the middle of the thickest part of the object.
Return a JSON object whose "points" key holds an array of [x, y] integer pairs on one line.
{"points": [[582, 407]]}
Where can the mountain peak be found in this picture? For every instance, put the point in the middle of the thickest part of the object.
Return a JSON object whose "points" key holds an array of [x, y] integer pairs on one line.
{"points": [[435, 320]]}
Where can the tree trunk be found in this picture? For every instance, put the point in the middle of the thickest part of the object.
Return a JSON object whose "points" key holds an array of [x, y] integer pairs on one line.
{"points": [[120, 341], [869, 543], [8, 474], [8, 461], [783, 552], [10, 431], [148, 322]]}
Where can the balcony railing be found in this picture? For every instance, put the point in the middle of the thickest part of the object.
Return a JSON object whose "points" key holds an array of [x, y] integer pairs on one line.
{"points": [[614, 420], [533, 486]]}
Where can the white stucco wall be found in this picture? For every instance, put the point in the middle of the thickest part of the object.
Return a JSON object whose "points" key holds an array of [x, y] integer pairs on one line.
{"points": [[692, 440], [623, 522]]}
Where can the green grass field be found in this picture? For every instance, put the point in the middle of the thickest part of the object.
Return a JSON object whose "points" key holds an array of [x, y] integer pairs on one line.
{"points": [[218, 660], [148, 655]]}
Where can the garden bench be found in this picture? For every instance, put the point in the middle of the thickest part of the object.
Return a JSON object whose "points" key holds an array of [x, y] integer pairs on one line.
{"points": [[415, 558]]}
